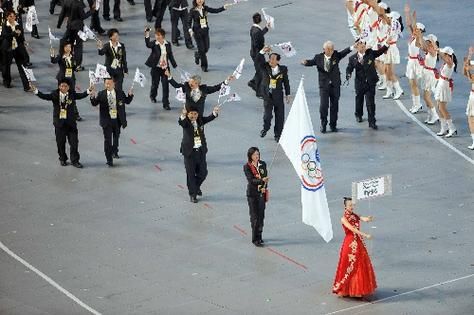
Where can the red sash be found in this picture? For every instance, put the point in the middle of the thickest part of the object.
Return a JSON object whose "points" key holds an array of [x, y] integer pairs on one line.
{"points": [[451, 82], [256, 173]]}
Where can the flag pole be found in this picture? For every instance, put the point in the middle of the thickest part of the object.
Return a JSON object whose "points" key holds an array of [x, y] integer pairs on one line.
{"points": [[274, 156]]}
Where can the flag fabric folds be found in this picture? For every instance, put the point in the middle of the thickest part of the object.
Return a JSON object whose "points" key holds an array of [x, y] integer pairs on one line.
{"points": [[139, 78]]}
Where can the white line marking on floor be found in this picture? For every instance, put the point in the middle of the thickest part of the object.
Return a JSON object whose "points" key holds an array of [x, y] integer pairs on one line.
{"points": [[401, 294], [428, 130], [48, 279]]}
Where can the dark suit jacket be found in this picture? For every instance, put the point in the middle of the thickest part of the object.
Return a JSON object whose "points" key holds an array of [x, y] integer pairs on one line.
{"points": [[257, 40], [205, 90], [177, 3], [281, 78], [121, 100], [366, 72], [63, 66], [155, 55], [109, 58], [74, 11], [253, 183], [194, 16], [187, 143], [333, 76], [7, 37], [70, 104]]}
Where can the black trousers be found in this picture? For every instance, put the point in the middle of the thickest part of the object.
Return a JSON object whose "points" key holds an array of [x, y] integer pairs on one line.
{"points": [[202, 42], [367, 92], [53, 4], [157, 75], [257, 215], [196, 170], [274, 103], [106, 8], [95, 21], [329, 102], [71, 134], [8, 57], [149, 9], [257, 78], [111, 140], [175, 17], [159, 10]]}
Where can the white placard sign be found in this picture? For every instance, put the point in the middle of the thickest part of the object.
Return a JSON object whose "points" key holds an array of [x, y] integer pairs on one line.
{"points": [[372, 188]]}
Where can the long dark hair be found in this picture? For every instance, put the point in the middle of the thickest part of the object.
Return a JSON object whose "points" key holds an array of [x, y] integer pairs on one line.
{"points": [[455, 60], [195, 3], [250, 152], [401, 24]]}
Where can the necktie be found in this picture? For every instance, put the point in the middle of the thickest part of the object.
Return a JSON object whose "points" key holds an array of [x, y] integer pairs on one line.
{"points": [[326, 64], [111, 100]]}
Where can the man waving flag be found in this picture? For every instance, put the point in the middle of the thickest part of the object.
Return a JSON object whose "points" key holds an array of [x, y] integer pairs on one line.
{"points": [[300, 145]]}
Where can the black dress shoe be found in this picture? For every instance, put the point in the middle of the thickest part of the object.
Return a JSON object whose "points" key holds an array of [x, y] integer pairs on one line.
{"points": [[257, 244], [277, 138], [196, 57], [199, 193], [153, 100], [322, 128], [110, 163], [334, 129], [263, 133], [63, 163], [115, 156], [359, 119], [78, 118], [204, 69], [28, 64], [101, 31], [167, 107], [118, 19], [176, 44], [35, 35], [373, 126], [193, 199], [252, 85], [189, 46], [77, 165], [107, 18]]}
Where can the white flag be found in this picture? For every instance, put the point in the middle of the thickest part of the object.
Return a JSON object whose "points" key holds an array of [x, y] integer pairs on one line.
{"points": [[82, 35], [89, 33], [185, 76], [140, 78], [270, 19], [225, 90], [29, 74], [287, 49], [101, 72], [180, 96], [238, 71], [300, 145], [97, 5], [51, 36], [92, 78]]}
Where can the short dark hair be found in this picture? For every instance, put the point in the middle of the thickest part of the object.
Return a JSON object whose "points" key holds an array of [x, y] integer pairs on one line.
{"points": [[65, 80], [257, 18], [277, 55], [250, 152], [346, 199], [160, 31], [112, 31], [10, 12], [192, 109]]}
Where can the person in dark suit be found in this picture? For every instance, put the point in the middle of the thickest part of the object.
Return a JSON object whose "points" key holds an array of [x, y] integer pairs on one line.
{"points": [[194, 148], [64, 119], [116, 10], [365, 80], [95, 20], [327, 64], [257, 42], [149, 9], [274, 81], [160, 58], [255, 171], [13, 45], [115, 57], [159, 11], [74, 11], [53, 4], [67, 69], [196, 92], [179, 10], [111, 103], [198, 26]]}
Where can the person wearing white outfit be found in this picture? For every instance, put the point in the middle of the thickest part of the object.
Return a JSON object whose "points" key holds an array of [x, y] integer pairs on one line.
{"points": [[430, 74], [381, 32], [444, 90], [393, 56], [469, 73], [414, 68]]}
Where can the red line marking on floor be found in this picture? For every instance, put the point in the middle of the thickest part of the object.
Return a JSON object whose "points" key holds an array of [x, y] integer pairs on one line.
{"points": [[181, 186], [286, 258], [157, 167], [242, 231], [207, 206], [133, 141]]}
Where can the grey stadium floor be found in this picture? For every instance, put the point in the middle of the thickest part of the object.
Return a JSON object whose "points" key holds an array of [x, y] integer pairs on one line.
{"points": [[127, 240]]}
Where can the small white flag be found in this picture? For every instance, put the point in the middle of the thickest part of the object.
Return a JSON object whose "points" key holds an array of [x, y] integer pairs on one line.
{"points": [[185, 76], [238, 71], [234, 97], [287, 49], [180, 96], [29, 74], [90, 34], [82, 35], [225, 90], [140, 78], [101, 72], [92, 78], [270, 19], [51, 36]]}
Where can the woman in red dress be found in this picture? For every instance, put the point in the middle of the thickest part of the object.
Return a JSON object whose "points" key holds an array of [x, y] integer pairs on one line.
{"points": [[355, 276]]}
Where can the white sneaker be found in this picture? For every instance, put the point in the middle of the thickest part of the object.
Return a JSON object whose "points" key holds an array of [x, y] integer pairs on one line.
{"points": [[388, 94], [451, 133], [434, 117], [428, 118], [415, 108], [382, 86], [471, 147], [443, 129], [398, 94]]}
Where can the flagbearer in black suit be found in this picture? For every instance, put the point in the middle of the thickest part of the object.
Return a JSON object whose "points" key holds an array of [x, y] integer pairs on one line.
{"points": [[160, 58], [365, 80], [194, 148], [327, 64], [115, 57], [255, 171], [274, 81], [196, 92], [257, 42], [111, 103], [64, 119]]}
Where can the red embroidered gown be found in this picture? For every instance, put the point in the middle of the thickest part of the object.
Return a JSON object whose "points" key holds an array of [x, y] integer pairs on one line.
{"points": [[354, 275]]}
